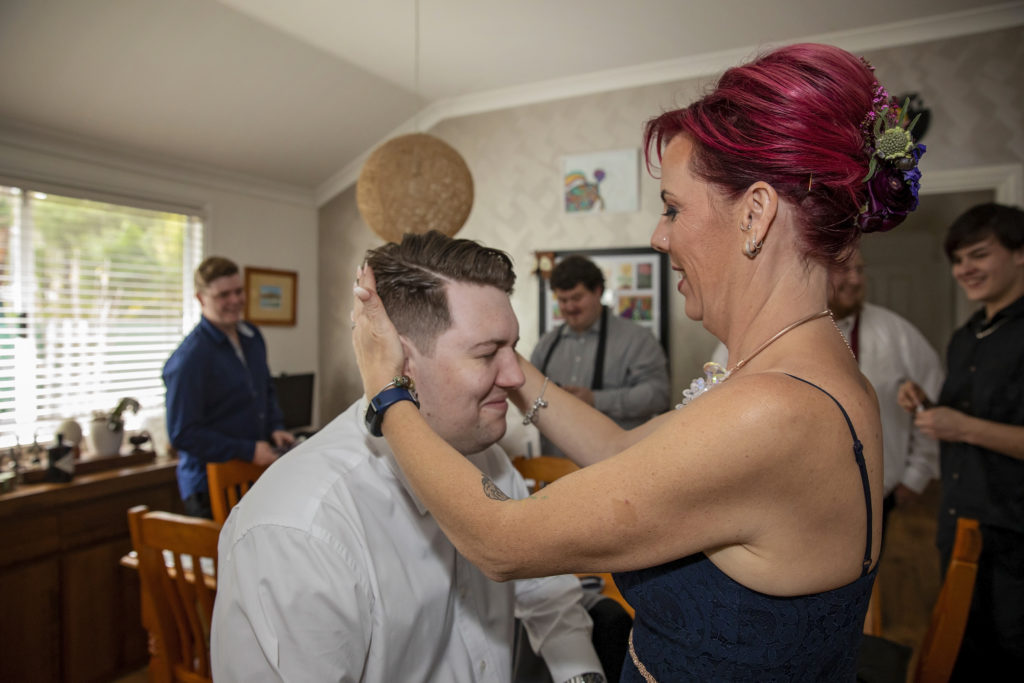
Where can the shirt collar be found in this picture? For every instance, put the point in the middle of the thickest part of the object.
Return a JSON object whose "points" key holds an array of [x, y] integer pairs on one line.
{"points": [[244, 329], [378, 447], [845, 325], [978, 323], [595, 328]]}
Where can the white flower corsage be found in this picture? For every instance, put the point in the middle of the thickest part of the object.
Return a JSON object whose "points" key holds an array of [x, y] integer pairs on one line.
{"points": [[713, 374]]}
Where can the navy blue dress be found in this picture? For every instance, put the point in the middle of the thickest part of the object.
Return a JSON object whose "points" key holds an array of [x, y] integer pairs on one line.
{"points": [[694, 623]]}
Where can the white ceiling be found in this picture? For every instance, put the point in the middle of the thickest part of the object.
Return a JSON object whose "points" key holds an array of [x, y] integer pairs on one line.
{"points": [[297, 92]]}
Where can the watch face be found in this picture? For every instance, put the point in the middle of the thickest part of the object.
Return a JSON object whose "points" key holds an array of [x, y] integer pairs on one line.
{"points": [[373, 419]]}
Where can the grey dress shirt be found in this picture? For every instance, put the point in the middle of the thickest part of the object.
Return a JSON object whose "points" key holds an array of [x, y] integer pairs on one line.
{"points": [[635, 383]]}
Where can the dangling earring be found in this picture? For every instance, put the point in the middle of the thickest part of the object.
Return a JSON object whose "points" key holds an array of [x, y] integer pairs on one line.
{"points": [[749, 225], [752, 247]]}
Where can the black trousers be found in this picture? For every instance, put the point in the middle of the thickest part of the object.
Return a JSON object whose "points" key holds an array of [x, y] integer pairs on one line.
{"points": [[612, 624], [198, 505]]}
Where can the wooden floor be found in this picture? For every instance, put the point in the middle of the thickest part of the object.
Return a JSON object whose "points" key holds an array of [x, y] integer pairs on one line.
{"points": [[140, 676], [909, 570]]}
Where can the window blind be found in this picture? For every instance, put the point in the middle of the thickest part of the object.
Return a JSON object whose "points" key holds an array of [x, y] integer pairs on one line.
{"points": [[95, 297]]}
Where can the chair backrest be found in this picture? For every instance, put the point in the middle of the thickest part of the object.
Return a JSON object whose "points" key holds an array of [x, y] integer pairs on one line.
{"points": [[873, 619], [177, 558], [228, 482], [949, 616], [543, 469]]}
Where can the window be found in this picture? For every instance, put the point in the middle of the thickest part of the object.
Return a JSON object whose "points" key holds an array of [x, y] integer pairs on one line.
{"points": [[94, 297]]}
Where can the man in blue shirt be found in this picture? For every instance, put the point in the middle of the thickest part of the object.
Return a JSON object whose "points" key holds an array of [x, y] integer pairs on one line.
{"points": [[221, 403]]}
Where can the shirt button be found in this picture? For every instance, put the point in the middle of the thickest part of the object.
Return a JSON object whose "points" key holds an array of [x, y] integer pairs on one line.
{"points": [[972, 368], [965, 404], [956, 475], [952, 512]]}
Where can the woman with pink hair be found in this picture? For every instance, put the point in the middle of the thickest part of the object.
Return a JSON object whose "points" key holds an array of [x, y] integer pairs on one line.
{"points": [[744, 526]]}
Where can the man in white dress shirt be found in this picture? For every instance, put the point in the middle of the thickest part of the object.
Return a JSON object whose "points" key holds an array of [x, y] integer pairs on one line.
{"points": [[332, 570], [889, 349]]}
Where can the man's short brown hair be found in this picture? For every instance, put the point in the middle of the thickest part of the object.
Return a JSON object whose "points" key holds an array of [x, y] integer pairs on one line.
{"points": [[412, 275], [212, 268], [575, 270]]}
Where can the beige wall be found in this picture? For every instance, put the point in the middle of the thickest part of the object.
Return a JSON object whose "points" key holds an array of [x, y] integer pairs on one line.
{"points": [[972, 85]]}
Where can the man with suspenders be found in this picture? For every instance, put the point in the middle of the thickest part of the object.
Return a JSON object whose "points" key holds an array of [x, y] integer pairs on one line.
{"points": [[612, 363]]}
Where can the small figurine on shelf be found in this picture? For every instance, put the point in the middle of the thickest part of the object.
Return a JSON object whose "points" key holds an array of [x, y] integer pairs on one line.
{"points": [[62, 462], [72, 432], [35, 451], [136, 440]]}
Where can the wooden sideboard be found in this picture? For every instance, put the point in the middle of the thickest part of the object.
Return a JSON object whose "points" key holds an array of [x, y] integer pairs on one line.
{"points": [[70, 611]]}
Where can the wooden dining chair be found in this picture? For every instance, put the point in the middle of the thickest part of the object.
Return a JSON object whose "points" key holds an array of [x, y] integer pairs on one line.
{"points": [[177, 562], [873, 619], [543, 469], [882, 660], [941, 642], [229, 481]]}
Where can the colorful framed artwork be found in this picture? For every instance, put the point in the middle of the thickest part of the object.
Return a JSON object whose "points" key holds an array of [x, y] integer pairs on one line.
{"points": [[601, 182], [270, 296], [635, 287]]}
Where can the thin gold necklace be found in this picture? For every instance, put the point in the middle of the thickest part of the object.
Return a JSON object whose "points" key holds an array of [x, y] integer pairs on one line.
{"points": [[775, 337], [716, 374]]}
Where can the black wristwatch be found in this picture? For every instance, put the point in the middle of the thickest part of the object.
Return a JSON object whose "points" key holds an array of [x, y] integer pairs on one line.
{"points": [[384, 400]]}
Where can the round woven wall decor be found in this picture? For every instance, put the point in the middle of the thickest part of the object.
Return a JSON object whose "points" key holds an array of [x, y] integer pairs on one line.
{"points": [[414, 183]]}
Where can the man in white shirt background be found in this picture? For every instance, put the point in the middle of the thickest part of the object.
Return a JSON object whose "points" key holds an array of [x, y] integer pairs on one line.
{"points": [[889, 349], [330, 567]]}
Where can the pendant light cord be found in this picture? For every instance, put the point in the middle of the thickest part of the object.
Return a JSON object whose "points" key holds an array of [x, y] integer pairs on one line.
{"points": [[416, 65]]}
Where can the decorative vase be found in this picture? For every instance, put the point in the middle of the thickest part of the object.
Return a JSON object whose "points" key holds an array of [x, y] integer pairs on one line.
{"points": [[103, 441]]}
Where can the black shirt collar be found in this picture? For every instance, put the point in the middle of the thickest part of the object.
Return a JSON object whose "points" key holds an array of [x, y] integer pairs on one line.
{"points": [[978, 323]]}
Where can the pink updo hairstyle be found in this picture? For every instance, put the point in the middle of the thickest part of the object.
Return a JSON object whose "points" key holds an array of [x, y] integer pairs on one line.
{"points": [[794, 119]]}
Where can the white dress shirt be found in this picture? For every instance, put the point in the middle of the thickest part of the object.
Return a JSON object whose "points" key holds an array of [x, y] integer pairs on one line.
{"points": [[331, 570], [890, 350]]}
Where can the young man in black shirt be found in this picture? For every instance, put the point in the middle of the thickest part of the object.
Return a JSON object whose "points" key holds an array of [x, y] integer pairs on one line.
{"points": [[979, 418]]}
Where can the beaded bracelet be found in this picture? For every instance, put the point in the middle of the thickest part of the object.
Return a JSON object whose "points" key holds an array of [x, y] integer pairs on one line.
{"points": [[402, 382], [538, 403]]}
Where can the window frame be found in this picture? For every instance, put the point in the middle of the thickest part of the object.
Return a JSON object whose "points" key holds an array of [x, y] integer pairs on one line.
{"points": [[42, 429]]}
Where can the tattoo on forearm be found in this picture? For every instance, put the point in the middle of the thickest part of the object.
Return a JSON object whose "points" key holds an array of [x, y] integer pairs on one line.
{"points": [[492, 491]]}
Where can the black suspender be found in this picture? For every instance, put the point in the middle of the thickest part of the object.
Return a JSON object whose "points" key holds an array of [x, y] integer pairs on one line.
{"points": [[602, 342]]}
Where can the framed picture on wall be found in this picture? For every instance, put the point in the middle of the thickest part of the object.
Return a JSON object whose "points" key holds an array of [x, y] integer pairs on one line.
{"points": [[635, 287], [601, 182], [270, 296]]}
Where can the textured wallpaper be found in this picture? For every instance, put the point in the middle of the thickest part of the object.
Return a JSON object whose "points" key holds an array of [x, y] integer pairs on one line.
{"points": [[972, 84]]}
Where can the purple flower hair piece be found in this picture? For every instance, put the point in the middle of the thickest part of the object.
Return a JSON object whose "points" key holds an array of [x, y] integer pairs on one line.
{"points": [[893, 179], [892, 194]]}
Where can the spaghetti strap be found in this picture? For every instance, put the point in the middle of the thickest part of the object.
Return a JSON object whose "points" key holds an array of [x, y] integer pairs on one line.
{"points": [[858, 452]]}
